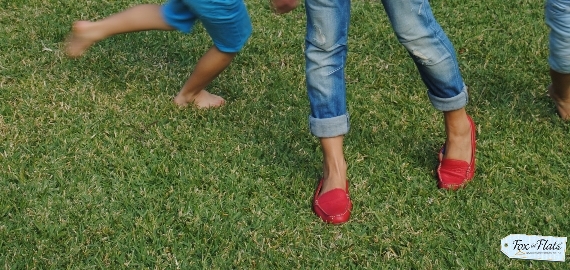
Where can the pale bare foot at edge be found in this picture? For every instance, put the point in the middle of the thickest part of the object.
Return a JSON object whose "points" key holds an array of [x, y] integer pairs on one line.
{"points": [[562, 107], [202, 100], [80, 39]]}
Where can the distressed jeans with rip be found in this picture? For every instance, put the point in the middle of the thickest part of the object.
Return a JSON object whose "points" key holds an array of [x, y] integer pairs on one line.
{"points": [[326, 51]]}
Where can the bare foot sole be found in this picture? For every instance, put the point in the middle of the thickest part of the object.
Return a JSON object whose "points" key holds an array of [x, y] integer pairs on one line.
{"points": [[562, 107], [80, 39], [202, 100]]}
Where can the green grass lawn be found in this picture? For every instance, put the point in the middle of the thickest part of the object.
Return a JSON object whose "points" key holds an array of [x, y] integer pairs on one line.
{"points": [[98, 169]]}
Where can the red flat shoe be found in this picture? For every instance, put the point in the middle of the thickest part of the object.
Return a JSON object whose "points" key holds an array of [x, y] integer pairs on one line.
{"points": [[333, 206], [454, 174]]}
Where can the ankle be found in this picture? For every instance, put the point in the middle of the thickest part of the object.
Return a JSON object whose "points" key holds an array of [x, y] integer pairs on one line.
{"points": [[458, 129], [334, 176], [334, 169], [90, 30], [559, 94], [188, 96]]}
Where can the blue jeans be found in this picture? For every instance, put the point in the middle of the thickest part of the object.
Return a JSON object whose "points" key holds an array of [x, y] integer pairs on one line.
{"points": [[326, 50], [557, 14]]}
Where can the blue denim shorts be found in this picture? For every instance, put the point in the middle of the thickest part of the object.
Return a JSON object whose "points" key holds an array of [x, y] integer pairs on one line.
{"points": [[557, 14], [226, 21]]}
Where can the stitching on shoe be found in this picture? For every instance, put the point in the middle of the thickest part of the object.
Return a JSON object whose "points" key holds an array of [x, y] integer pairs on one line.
{"points": [[343, 213]]}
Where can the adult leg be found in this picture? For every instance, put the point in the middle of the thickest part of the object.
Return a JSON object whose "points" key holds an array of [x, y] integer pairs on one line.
{"points": [[458, 131], [325, 54], [138, 18], [327, 31], [334, 164], [434, 56]]}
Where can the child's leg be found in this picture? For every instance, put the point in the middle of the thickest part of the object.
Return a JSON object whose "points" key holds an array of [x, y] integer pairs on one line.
{"points": [[229, 26], [557, 17], [138, 18], [206, 70], [559, 91]]}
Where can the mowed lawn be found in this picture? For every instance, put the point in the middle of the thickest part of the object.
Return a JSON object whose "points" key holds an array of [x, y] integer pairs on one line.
{"points": [[99, 170]]}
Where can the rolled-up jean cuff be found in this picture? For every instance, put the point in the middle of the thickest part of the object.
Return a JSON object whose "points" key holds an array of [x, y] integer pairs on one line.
{"points": [[452, 103], [329, 127]]}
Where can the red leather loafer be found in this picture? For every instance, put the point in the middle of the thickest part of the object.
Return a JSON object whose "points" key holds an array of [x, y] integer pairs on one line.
{"points": [[454, 174], [333, 206]]}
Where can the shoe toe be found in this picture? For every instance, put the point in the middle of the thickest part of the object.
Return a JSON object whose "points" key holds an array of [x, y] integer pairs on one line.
{"points": [[333, 206], [453, 174], [333, 203]]}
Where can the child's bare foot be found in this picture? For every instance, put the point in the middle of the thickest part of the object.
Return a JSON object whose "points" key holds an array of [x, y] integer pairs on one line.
{"points": [[82, 36], [202, 100], [562, 106]]}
